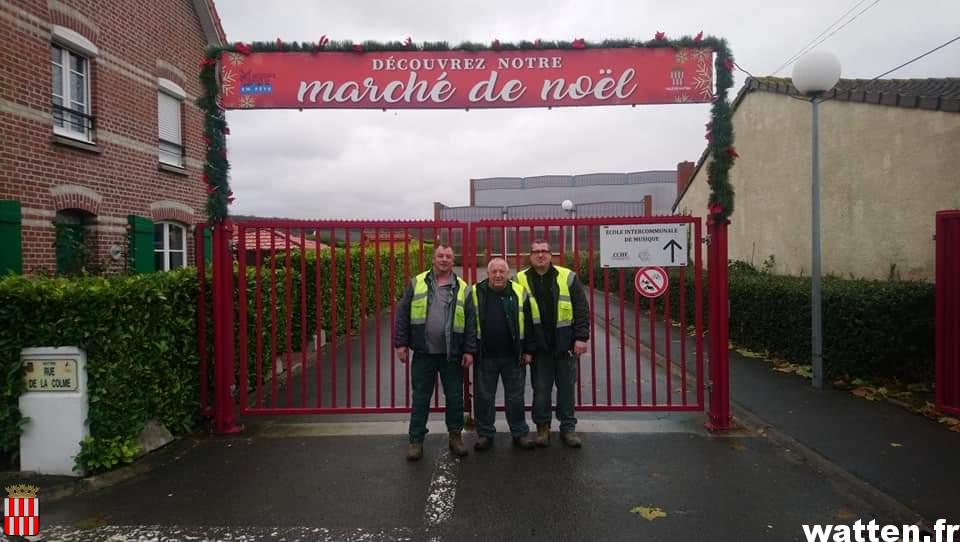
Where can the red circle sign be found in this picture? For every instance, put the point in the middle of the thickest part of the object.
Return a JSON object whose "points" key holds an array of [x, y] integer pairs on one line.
{"points": [[651, 282]]}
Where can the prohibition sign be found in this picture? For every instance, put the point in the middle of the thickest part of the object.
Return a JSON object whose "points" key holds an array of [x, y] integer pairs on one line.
{"points": [[651, 282]]}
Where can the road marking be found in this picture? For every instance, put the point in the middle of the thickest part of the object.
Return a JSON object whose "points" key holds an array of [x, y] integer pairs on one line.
{"points": [[442, 495], [180, 533]]}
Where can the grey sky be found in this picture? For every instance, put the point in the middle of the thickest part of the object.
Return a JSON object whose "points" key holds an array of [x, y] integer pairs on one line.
{"points": [[373, 164]]}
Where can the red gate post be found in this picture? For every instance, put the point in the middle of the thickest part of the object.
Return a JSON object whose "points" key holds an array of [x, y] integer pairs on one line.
{"points": [[947, 323], [223, 306], [719, 410]]}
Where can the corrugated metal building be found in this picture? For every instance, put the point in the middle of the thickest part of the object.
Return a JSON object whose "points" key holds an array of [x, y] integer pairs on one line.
{"points": [[596, 194]]}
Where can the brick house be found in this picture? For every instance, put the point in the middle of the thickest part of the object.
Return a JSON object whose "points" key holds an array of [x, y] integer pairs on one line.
{"points": [[102, 148]]}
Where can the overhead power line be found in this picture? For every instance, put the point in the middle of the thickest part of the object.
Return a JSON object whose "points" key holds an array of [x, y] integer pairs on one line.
{"points": [[807, 48], [905, 64]]}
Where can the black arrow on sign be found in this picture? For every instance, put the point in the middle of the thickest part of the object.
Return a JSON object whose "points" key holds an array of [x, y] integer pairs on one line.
{"points": [[673, 245]]}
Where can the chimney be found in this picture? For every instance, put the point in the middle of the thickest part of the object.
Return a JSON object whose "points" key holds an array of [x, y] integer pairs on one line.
{"points": [[684, 175]]}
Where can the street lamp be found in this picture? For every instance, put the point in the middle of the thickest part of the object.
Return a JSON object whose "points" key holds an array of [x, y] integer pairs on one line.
{"points": [[567, 206], [813, 75]]}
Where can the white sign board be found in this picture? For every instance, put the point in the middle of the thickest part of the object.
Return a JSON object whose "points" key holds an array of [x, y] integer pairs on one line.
{"points": [[644, 245]]}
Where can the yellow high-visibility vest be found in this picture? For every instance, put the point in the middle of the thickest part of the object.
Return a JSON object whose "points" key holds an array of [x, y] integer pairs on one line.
{"points": [[523, 297], [565, 278], [418, 305]]}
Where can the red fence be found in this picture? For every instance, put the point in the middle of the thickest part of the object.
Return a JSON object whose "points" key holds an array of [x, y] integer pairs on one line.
{"points": [[645, 354], [948, 312], [314, 335]]}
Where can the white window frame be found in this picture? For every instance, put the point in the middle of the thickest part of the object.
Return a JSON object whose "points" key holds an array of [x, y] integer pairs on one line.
{"points": [[166, 250], [170, 90], [70, 42]]}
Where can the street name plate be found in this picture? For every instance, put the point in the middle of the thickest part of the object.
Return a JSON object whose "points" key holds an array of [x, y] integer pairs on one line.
{"points": [[51, 375]]}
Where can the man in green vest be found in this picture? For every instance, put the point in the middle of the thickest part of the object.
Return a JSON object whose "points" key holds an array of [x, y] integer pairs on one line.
{"points": [[507, 321], [565, 318], [436, 318]]}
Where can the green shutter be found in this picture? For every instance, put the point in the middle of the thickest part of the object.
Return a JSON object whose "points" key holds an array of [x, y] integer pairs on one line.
{"points": [[207, 246], [141, 244], [11, 253]]}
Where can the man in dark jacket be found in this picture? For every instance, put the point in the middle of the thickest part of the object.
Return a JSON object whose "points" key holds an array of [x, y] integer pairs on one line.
{"points": [[436, 318], [507, 323], [565, 317]]}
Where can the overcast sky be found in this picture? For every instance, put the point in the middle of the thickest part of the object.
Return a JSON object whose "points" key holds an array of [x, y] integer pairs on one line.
{"points": [[395, 164]]}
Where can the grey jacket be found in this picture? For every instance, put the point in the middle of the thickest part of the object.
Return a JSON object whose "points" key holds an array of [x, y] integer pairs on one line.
{"points": [[407, 335]]}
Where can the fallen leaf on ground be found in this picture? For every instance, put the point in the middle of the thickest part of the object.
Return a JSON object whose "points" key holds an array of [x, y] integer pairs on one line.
{"points": [[844, 515], [918, 387], [949, 420], [896, 445], [649, 514], [862, 392], [748, 353]]}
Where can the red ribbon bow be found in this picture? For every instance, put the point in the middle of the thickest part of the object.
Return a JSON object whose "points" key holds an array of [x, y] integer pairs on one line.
{"points": [[495, 45], [728, 63], [357, 48], [732, 153], [660, 36], [579, 43], [408, 43], [323, 41], [716, 209], [242, 48], [699, 37]]}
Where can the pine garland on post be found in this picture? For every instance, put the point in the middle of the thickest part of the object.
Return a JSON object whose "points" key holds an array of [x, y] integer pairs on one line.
{"points": [[719, 135]]}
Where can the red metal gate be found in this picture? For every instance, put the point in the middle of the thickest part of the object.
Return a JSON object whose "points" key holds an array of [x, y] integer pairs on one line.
{"points": [[644, 354], [948, 311], [284, 342]]}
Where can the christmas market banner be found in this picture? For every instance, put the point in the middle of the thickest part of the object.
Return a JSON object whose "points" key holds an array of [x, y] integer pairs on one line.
{"points": [[466, 79], [328, 74]]}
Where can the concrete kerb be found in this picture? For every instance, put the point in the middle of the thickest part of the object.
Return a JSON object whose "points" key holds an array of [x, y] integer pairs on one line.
{"points": [[746, 422], [893, 511], [156, 459]]}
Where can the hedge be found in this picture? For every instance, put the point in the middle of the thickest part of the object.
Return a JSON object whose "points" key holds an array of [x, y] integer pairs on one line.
{"points": [[871, 328], [139, 335]]}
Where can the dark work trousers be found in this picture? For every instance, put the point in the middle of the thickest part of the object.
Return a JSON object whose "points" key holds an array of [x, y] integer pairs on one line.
{"points": [[487, 374], [423, 374], [551, 369]]}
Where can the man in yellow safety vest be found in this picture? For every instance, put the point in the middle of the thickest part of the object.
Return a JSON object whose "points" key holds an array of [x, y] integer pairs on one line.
{"points": [[436, 318], [565, 318], [508, 322]]}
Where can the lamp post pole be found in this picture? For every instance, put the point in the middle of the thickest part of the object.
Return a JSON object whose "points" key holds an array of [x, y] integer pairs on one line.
{"points": [[813, 75]]}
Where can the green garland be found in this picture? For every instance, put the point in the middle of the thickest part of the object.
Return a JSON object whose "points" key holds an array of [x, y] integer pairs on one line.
{"points": [[719, 135]]}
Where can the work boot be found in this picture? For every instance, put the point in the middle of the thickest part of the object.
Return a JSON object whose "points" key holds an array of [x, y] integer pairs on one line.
{"points": [[543, 435], [571, 439], [414, 451], [483, 443], [456, 444], [524, 442]]}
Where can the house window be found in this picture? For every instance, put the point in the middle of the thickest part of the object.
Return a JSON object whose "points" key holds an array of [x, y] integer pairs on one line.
{"points": [[71, 93], [169, 120], [169, 246]]}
